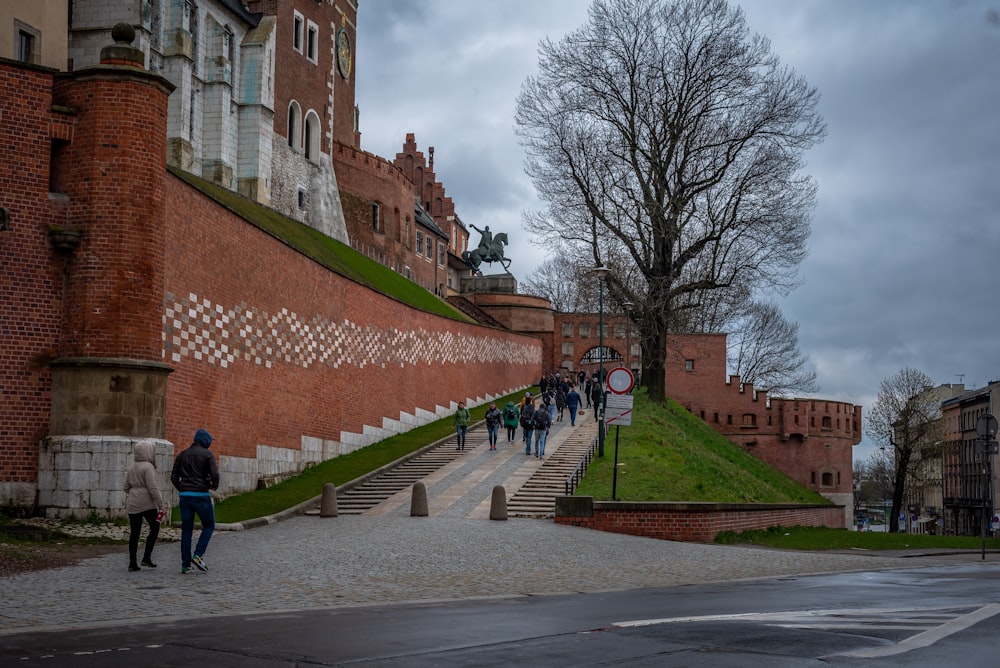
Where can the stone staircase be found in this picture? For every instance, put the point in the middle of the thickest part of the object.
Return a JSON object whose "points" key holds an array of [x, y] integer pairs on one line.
{"points": [[536, 497]]}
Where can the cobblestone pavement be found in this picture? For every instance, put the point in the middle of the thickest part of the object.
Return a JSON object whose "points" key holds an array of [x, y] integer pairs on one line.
{"points": [[312, 562]]}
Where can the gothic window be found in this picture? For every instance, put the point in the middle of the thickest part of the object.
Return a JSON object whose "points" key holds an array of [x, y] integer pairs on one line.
{"points": [[312, 137], [294, 116]]}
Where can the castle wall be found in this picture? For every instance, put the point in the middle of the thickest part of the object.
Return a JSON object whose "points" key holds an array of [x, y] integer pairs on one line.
{"points": [[272, 351]]}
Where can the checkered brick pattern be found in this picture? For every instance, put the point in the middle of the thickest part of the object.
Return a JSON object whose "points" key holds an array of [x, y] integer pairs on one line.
{"points": [[196, 328]]}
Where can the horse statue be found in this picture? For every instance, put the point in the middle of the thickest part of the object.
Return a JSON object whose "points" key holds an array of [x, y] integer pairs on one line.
{"points": [[490, 250]]}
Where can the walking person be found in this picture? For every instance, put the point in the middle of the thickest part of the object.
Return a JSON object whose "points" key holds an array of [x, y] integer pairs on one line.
{"points": [[143, 502], [596, 395], [561, 402], [588, 390], [573, 404], [527, 412], [511, 418], [194, 476], [461, 424], [542, 422], [493, 420]]}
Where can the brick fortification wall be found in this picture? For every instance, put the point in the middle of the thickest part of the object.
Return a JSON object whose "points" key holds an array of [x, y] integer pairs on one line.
{"points": [[285, 362], [691, 522]]}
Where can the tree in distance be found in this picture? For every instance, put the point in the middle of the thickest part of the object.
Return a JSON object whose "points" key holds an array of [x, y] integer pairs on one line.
{"points": [[666, 142]]}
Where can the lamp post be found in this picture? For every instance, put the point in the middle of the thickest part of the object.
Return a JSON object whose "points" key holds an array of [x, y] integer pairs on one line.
{"points": [[628, 326], [602, 273]]}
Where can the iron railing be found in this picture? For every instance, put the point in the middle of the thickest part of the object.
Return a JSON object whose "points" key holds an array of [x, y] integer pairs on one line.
{"points": [[573, 481]]}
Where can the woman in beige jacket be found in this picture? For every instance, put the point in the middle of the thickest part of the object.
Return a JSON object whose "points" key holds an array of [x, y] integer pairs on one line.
{"points": [[143, 501]]}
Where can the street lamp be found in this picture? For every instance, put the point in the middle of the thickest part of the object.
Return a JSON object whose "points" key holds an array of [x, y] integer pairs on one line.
{"points": [[628, 325], [602, 273]]}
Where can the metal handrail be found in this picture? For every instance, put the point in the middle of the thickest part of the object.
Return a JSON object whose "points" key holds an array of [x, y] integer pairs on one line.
{"points": [[573, 481]]}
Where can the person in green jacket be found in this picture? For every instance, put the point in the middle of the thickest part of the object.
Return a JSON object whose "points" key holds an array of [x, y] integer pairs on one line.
{"points": [[511, 417], [461, 422]]}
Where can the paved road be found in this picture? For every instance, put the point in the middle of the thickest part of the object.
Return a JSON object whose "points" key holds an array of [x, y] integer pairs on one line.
{"points": [[308, 562]]}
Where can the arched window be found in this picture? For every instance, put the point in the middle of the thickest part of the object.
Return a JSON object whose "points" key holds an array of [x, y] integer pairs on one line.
{"points": [[311, 140], [294, 122]]}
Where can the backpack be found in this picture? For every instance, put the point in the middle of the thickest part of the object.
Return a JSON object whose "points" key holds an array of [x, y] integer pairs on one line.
{"points": [[526, 415], [509, 412], [540, 419]]}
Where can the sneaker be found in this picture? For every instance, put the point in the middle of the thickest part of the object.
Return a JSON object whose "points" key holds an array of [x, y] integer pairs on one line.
{"points": [[185, 570], [199, 562]]}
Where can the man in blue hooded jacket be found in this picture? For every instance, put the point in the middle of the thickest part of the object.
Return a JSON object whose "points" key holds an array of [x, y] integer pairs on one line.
{"points": [[195, 475]]}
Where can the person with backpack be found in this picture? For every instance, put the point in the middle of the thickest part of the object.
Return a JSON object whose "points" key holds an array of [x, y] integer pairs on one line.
{"points": [[493, 420], [561, 402], [541, 421], [573, 404], [527, 411], [511, 418]]}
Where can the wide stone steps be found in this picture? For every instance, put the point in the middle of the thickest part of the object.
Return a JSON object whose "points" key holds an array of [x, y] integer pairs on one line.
{"points": [[536, 497], [372, 492]]}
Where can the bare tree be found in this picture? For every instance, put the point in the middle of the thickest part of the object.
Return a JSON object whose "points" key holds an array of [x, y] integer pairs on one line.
{"points": [[904, 417], [666, 141], [565, 284], [764, 350]]}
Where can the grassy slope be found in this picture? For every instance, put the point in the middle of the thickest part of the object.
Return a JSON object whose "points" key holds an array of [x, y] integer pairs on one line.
{"points": [[332, 254], [668, 454]]}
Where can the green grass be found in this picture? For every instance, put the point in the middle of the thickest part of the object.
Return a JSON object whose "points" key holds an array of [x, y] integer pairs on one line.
{"points": [[668, 454], [339, 470], [820, 538], [328, 252]]}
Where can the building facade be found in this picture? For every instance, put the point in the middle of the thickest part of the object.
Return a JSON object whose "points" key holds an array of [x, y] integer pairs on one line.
{"points": [[969, 475]]}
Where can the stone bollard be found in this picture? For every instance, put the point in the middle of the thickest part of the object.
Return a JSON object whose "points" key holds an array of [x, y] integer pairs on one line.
{"points": [[328, 504], [418, 504], [498, 504]]}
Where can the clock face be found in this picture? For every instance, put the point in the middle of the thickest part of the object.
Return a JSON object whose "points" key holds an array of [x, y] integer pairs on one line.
{"points": [[344, 53]]}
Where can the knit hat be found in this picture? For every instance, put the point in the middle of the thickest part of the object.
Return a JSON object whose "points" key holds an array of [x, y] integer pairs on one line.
{"points": [[203, 438]]}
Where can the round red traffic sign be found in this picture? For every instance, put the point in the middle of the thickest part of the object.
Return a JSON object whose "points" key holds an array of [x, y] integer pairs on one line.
{"points": [[620, 380]]}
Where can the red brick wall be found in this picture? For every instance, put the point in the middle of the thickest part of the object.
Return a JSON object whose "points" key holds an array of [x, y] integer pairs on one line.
{"points": [[615, 335], [31, 289], [693, 522], [372, 357]]}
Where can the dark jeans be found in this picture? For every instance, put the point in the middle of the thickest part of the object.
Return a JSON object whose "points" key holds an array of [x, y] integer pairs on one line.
{"points": [[493, 431], [203, 508], [527, 441], [511, 433], [460, 431], [135, 528], [572, 414]]}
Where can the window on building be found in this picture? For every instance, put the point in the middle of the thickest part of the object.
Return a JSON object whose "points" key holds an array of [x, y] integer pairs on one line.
{"points": [[312, 41], [689, 365], [715, 418], [729, 419], [294, 116], [28, 41], [441, 254], [567, 349], [420, 243], [584, 330], [407, 272], [311, 137], [827, 479], [567, 329], [749, 420], [298, 27], [430, 247], [619, 329], [827, 422], [302, 198], [376, 217]]}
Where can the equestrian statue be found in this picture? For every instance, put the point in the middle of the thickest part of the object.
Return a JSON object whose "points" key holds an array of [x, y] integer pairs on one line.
{"points": [[490, 250]]}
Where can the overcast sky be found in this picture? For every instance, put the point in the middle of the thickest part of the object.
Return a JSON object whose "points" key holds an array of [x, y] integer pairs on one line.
{"points": [[903, 264]]}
